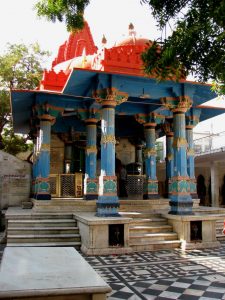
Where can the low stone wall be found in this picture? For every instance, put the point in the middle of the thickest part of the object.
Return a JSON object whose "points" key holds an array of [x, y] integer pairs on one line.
{"points": [[15, 180]]}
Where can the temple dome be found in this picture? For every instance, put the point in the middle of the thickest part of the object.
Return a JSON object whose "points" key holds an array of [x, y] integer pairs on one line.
{"points": [[134, 41]]}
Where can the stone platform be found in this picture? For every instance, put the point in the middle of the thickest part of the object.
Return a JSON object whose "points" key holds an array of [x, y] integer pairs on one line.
{"points": [[49, 273], [80, 205], [95, 233], [197, 231]]}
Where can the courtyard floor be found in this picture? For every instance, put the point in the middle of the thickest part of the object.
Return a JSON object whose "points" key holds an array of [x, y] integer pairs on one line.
{"points": [[165, 274]]}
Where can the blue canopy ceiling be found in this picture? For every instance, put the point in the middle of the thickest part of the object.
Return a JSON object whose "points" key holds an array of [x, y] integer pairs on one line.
{"points": [[144, 96]]}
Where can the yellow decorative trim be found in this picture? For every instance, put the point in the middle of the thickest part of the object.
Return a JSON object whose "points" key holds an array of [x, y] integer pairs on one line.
{"points": [[170, 157], [190, 152], [91, 149], [177, 104], [151, 124], [179, 142], [149, 152], [92, 120], [45, 147], [110, 94], [190, 126], [140, 118], [109, 138], [47, 118]]}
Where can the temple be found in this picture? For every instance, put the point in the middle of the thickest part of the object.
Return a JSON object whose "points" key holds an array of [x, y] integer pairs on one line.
{"points": [[95, 112]]}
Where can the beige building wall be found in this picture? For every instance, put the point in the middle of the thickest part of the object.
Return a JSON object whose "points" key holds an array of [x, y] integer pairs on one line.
{"points": [[15, 180]]}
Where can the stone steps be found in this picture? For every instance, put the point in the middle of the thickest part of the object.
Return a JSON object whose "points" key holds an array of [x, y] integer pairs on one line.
{"points": [[156, 245], [149, 232], [42, 238], [76, 245], [138, 215], [150, 229], [151, 237], [149, 222], [43, 229], [38, 216], [42, 223], [219, 230]]}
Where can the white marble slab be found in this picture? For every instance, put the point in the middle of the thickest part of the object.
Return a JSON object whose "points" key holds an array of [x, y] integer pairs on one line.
{"points": [[54, 270]]}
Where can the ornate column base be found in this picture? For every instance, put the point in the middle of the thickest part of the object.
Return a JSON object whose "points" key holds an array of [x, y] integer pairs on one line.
{"points": [[181, 205], [42, 189], [151, 190], [91, 189], [180, 199], [108, 203]]}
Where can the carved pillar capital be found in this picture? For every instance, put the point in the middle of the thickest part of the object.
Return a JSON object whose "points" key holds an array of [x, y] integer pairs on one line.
{"points": [[110, 96]]}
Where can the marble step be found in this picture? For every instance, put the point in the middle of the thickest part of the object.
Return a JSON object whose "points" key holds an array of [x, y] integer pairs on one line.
{"points": [[42, 230], [42, 238], [141, 229], [42, 222], [140, 215], [220, 237], [150, 237], [156, 245], [47, 244], [149, 221], [38, 216]]}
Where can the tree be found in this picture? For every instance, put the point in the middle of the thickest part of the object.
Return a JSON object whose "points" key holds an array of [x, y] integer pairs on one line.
{"points": [[196, 45], [69, 11], [20, 68]]}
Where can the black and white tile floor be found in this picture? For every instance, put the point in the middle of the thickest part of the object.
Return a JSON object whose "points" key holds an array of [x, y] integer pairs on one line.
{"points": [[165, 274]]}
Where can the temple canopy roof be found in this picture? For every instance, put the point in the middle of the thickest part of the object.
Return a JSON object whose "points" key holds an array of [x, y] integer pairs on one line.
{"points": [[80, 69]]}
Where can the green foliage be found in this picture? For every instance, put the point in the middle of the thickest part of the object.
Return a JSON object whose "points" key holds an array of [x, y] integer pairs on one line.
{"points": [[14, 143], [68, 11], [196, 46], [20, 68]]}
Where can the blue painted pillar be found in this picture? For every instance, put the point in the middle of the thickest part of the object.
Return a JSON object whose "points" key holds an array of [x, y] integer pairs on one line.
{"points": [[192, 119], [169, 159], [34, 170], [108, 204], [43, 186], [91, 181], [151, 191], [190, 161], [180, 198]]}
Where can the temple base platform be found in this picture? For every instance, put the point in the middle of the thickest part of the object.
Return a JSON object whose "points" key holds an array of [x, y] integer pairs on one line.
{"points": [[80, 205], [196, 231], [143, 225]]}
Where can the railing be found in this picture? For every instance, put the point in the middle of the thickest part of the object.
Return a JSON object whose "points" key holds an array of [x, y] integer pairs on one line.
{"points": [[71, 185], [135, 185], [66, 185], [212, 143]]}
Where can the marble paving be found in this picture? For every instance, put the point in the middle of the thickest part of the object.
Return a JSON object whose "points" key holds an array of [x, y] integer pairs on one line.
{"points": [[165, 274]]}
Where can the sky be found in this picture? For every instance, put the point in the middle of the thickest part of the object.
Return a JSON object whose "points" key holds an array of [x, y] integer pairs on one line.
{"points": [[19, 24]]}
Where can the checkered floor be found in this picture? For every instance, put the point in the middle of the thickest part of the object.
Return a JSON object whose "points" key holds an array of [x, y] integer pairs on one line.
{"points": [[165, 274]]}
